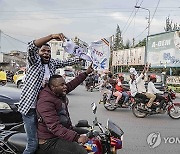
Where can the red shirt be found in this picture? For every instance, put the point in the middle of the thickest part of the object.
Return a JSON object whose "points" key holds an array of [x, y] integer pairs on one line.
{"points": [[118, 86]]}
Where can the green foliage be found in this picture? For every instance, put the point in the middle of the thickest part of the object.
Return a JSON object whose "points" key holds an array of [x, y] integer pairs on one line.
{"points": [[176, 88], [141, 43], [170, 26], [118, 40]]}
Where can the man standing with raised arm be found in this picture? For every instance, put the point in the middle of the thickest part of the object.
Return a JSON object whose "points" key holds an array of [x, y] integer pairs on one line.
{"points": [[40, 68]]}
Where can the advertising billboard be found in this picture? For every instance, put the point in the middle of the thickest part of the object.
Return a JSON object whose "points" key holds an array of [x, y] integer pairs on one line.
{"points": [[163, 50], [133, 56]]}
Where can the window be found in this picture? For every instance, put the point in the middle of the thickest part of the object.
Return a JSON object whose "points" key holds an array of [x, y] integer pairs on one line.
{"points": [[58, 52]]}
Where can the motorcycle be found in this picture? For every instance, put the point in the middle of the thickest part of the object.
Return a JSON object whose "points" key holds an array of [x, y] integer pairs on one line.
{"points": [[172, 109], [106, 140], [110, 104], [103, 141]]}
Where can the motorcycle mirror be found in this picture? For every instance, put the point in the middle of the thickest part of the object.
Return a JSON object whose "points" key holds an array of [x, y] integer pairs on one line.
{"points": [[2, 126], [94, 107]]}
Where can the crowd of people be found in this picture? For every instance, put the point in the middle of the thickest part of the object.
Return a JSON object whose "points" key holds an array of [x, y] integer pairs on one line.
{"points": [[115, 86]]}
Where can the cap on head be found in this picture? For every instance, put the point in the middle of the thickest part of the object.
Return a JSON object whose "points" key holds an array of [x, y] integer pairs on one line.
{"points": [[152, 76], [133, 71], [120, 75]]}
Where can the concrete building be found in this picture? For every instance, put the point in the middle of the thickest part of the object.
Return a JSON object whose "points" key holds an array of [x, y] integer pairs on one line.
{"points": [[13, 61]]}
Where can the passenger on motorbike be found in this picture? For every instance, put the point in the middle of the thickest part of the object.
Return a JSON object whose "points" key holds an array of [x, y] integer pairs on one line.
{"points": [[113, 91], [153, 90], [55, 131], [134, 81], [121, 88], [142, 89]]}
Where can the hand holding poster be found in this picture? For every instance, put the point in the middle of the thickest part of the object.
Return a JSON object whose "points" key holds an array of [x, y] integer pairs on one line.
{"points": [[100, 52], [72, 48]]}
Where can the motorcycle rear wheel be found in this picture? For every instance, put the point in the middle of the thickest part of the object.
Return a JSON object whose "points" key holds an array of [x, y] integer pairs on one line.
{"points": [[137, 113], [174, 111], [110, 106]]}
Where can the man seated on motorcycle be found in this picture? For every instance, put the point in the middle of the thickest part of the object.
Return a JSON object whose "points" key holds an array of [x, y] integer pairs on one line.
{"points": [[55, 131], [142, 89], [121, 88], [153, 90]]}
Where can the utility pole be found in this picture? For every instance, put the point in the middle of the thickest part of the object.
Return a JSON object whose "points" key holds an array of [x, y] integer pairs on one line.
{"points": [[0, 40], [149, 21]]}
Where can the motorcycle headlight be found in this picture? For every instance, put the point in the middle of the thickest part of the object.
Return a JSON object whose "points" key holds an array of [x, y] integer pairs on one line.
{"points": [[4, 105]]}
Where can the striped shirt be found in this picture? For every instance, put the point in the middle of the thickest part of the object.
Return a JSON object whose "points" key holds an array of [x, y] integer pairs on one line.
{"points": [[35, 74]]}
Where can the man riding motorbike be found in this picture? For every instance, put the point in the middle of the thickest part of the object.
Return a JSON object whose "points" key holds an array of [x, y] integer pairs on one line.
{"points": [[142, 89], [153, 90], [137, 86]]}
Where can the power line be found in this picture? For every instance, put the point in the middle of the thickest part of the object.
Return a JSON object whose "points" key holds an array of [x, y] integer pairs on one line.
{"points": [[84, 9], [132, 19], [155, 11], [14, 38], [129, 17]]}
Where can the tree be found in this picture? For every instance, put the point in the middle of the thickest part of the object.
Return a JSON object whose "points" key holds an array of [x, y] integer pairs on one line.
{"points": [[170, 26], [118, 40], [141, 43]]}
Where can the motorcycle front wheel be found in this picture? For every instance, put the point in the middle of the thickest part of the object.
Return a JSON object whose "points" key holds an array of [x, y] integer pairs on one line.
{"points": [[136, 112], [174, 111]]}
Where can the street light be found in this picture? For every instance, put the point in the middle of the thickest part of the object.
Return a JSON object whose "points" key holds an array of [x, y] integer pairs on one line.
{"points": [[138, 7]]}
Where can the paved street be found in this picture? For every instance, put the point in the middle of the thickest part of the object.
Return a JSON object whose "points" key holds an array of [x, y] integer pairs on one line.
{"points": [[136, 130]]}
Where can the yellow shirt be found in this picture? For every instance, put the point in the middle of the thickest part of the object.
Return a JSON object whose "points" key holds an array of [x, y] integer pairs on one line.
{"points": [[2, 75]]}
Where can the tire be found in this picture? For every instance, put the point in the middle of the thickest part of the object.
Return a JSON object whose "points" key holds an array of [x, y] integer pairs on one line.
{"points": [[174, 111], [3, 83], [20, 84], [110, 106], [91, 89], [137, 113]]}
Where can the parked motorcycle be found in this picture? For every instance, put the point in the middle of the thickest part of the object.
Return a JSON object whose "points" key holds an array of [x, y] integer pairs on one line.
{"points": [[102, 141], [172, 109], [110, 104]]}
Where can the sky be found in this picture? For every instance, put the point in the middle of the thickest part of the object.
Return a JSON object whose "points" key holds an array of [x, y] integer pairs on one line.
{"points": [[24, 20]]}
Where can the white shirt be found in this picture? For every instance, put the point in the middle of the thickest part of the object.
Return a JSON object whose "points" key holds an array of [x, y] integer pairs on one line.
{"points": [[141, 85], [46, 75], [133, 85], [152, 89], [45, 79]]}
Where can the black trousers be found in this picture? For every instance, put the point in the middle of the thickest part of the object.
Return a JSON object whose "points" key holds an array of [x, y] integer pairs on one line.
{"points": [[161, 100], [142, 96], [61, 146]]}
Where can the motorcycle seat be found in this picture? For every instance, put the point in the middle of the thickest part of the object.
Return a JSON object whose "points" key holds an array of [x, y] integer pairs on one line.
{"points": [[18, 140]]}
